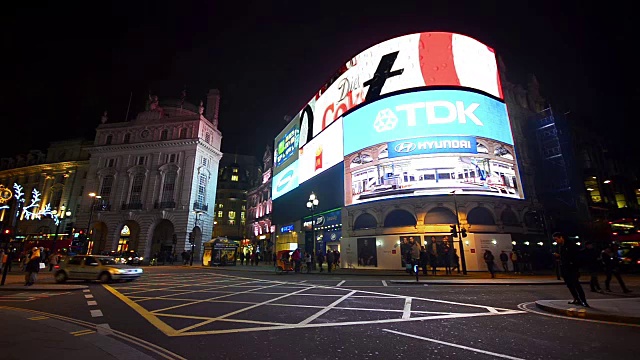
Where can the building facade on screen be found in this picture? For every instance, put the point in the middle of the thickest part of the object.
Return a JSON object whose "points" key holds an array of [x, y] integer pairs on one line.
{"points": [[386, 144], [156, 176]]}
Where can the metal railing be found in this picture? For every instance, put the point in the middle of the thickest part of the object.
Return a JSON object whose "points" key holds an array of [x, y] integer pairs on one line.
{"points": [[200, 206]]}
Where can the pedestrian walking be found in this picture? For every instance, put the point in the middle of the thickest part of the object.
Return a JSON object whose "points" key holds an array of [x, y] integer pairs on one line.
{"points": [[569, 268], [242, 258], [320, 259], [53, 261], [336, 255], [296, 258], [592, 263], [32, 267], [488, 258], [504, 259], [330, 260], [307, 260], [611, 263]]}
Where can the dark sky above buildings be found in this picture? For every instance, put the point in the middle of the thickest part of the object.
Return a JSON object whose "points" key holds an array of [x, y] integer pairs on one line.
{"points": [[63, 65]]}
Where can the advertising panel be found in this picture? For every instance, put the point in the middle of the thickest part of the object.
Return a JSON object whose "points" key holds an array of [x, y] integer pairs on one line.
{"points": [[424, 113], [429, 143], [416, 60], [285, 181], [321, 153], [286, 146]]}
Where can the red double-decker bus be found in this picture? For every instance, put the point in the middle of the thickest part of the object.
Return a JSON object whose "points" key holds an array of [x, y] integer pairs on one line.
{"points": [[626, 232]]}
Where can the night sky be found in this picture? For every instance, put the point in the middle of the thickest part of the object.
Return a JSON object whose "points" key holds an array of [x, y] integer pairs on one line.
{"points": [[64, 65]]}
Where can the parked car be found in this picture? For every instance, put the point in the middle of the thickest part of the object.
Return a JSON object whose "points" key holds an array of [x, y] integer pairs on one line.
{"points": [[128, 257], [94, 267], [630, 259]]}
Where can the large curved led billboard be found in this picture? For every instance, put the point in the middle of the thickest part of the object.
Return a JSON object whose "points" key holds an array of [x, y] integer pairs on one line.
{"points": [[429, 142], [410, 61]]}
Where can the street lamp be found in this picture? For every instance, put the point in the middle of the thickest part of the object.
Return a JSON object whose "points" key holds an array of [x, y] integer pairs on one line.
{"points": [[93, 205], [460, 245], [312, 204]]}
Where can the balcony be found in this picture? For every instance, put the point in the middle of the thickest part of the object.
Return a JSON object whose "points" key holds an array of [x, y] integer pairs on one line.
{"points": [[164, 205], [131, 206], [200, 206]]}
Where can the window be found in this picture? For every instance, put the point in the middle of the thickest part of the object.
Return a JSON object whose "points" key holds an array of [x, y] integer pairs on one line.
{"points": [[204, 161], [591, 185], [136, 189], [90, 260], [173, 158], [127, 138], [234, 177], [235, 170], [232, 222], [232, 215], [242, 215], [220, 214], [244, 207], [220, 206], [107, 184], [56, 196], [183, 133], [109, 140], [169, 186], [141, 160], [111, 162], [621, 200], [207, 138], [202, 189], [164, 134], [76, 260]]}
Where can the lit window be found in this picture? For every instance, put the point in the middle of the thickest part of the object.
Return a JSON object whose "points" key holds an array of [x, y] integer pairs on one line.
{"points": [[232, 215], [232, 222], [621, 200], [220, 206], [219, 214], [244, 207], [235, 170], [593, 189], [242, 215], [234, 177]]}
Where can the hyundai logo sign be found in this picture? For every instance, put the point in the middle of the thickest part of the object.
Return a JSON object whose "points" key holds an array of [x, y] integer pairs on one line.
{"points": [[405, 147]]}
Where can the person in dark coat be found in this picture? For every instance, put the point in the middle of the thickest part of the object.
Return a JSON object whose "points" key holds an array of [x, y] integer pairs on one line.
{"points": [[32, 268], [330, 260], [569, 268], [320, 259], [488, 259], [611, 263], [424, 260], [591, 258]]}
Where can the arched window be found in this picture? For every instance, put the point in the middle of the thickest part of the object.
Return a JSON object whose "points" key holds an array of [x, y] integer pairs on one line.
{"points": [[508, 217], [183, 133], [365, 221], [109, 140], [398, 218], [136, 189], [169, 186], [127, 138], [480, 216], [164, 134], [440, 215], [105, 189]]}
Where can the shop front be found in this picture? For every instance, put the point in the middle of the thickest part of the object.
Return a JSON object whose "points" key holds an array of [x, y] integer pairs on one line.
{"points": [[327, 228], [220, 252], [287, 236]]}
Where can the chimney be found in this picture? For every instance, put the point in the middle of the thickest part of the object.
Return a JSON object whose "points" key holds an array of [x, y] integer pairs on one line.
{"points": [[213, 105]]}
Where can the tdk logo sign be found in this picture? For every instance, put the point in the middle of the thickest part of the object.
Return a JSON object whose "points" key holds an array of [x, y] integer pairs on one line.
{"points": [[437, 112], [433, 145]]}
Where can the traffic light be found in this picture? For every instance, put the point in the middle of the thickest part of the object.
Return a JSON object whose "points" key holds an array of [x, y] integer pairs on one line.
{"points": [[463, 232], [192, 238], [69, 228], [454, 231]]}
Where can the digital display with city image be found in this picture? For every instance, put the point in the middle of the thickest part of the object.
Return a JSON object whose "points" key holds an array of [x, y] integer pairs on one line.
{"points": [[286, 146], [429, 143]]}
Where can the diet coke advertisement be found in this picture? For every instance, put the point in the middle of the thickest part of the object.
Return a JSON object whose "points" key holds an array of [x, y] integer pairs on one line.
{"points": [[416, 60]]}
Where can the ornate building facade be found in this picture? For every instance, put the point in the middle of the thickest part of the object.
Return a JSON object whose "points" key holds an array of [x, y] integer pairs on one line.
{"points": [[154, 179], [259, 207], [58, 177]]}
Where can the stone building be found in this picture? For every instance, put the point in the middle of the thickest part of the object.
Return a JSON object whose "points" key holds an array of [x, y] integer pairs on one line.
{"points": [[154, 179], [238, 173], [58, 176], [259, 207]]}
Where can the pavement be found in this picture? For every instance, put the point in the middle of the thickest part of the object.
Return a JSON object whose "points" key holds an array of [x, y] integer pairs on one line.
{"points": [[625, 310]]}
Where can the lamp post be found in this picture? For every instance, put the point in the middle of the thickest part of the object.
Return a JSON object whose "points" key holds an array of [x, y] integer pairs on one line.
{"points": [[93, 205], [312, 204], [460, 244]]}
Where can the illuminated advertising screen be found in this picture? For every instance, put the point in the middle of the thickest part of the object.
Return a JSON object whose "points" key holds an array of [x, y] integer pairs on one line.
{"points": [[321, 153], [410, 61], [286, 146], [429, 142], [285, 181]]}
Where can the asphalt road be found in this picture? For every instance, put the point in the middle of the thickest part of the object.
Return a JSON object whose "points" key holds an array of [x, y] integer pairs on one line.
{"points": [[203, 314]]}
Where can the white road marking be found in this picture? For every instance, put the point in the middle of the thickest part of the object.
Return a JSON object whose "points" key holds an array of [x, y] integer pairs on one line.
{"points": [[406, 313], [341, 282], [384, 283], [92, 303], [455, 345], [88, 296], [96, 313], [319, 313], [86, 290], [104, 329]]}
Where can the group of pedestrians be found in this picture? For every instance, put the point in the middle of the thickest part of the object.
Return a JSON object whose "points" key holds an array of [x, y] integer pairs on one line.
{"points": [[252, 257], [332, 258], [572, 258], [430, 257]]}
